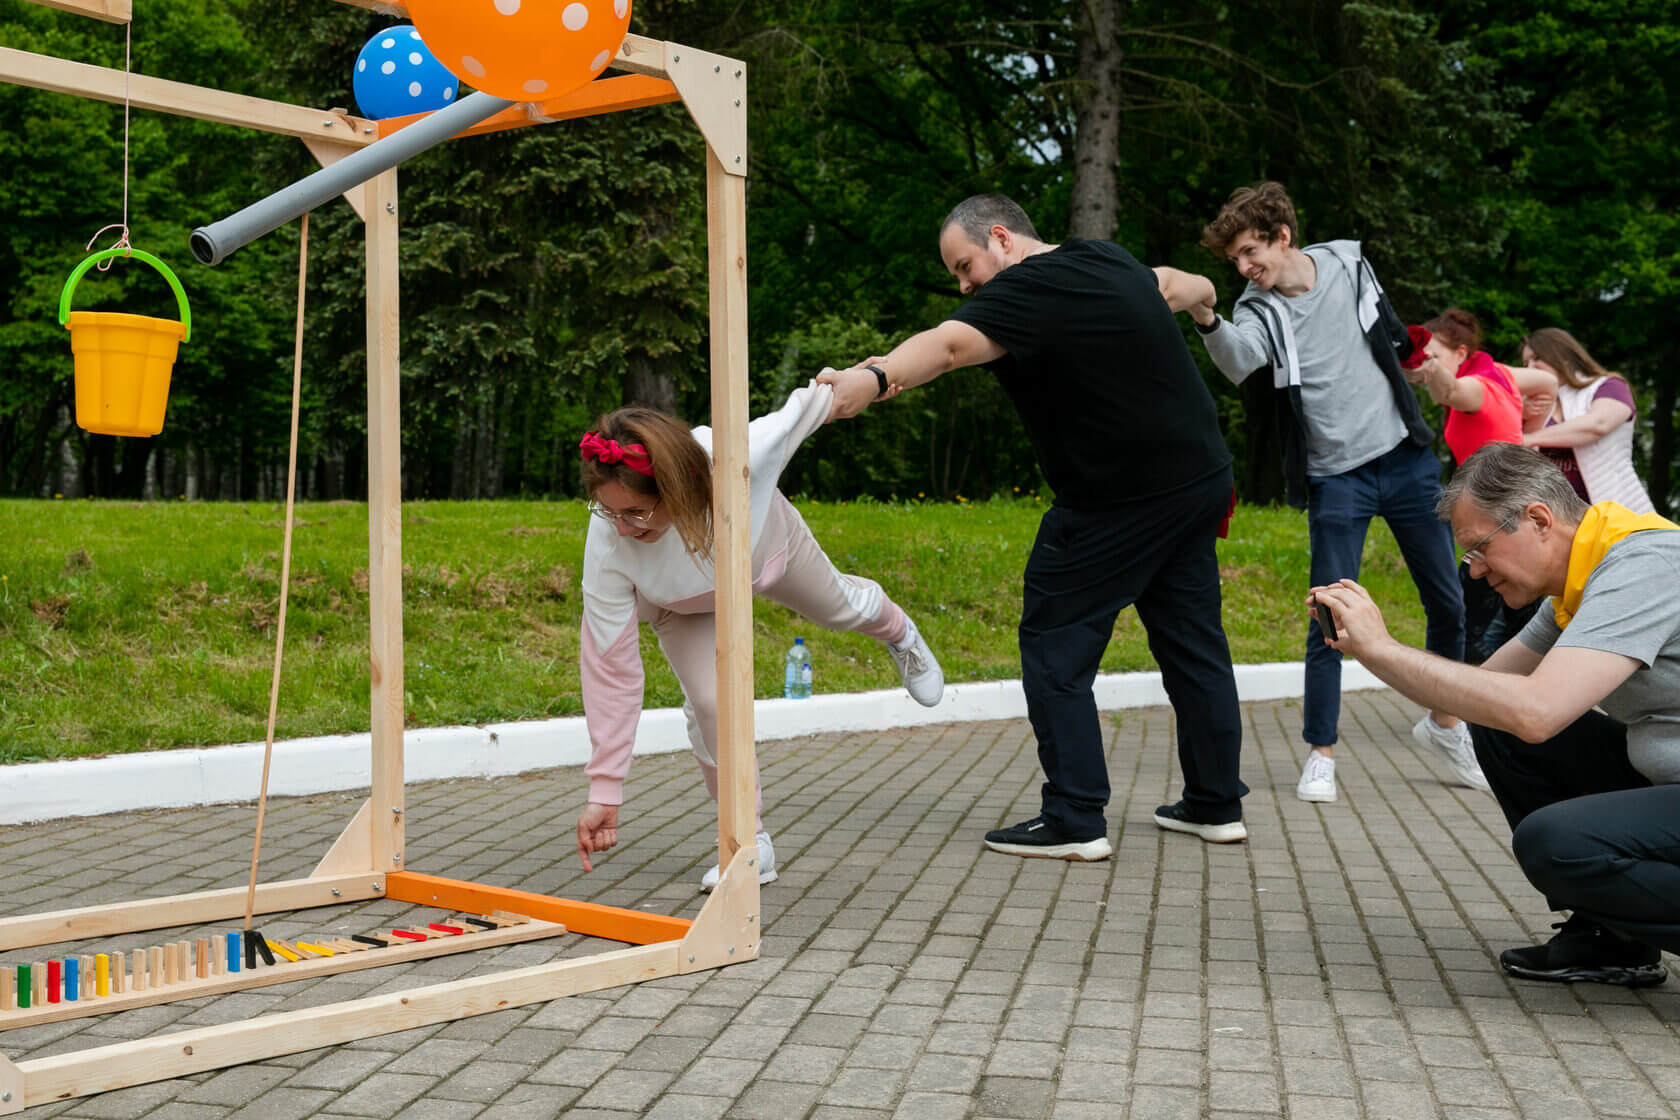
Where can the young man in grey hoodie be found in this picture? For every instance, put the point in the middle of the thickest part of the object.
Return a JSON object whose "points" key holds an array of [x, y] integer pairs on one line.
{"points": [[1355, 442]]}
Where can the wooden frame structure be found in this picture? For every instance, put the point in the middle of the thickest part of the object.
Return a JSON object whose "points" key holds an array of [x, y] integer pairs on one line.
{"points": [[367, 860]]}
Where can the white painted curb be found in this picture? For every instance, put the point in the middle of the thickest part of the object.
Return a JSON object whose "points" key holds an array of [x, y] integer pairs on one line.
{"points": [[83, 787]]}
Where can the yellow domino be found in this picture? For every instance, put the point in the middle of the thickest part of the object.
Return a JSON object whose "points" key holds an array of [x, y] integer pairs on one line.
{"points": [[102, 974], [281, 951], [321, 949]]}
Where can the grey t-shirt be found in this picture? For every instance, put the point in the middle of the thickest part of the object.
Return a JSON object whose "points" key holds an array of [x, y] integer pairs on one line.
{"points": [[1631, 606], [1349, 407]]}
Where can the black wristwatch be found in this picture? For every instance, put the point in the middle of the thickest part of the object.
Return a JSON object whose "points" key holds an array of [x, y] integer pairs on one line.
{"points": [[880, 379]]}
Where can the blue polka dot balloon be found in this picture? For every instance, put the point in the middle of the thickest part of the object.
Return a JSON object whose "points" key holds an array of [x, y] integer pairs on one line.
{"points": [[396, 75]]}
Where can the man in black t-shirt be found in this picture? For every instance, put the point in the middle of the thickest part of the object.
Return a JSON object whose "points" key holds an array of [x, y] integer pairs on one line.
{"points": [[1084, 343]]}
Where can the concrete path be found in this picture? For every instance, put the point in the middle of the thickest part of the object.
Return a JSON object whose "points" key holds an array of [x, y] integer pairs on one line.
{"points": [[1340, 964]]}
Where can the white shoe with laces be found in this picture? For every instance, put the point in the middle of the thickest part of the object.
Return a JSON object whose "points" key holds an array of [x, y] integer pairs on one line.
{"points": [[917, 666], [1453, 744], [1318, 779], [766, 865]]}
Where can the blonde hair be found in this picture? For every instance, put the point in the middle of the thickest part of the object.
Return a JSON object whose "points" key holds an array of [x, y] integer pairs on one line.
{"points": [[682, 471], [1567, 357]]}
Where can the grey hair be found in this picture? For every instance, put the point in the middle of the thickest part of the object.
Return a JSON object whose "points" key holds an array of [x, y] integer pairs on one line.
{"points": [[977, 214], [1503, 479]]}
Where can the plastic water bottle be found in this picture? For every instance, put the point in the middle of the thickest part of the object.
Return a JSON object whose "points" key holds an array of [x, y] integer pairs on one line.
{"points": [[796, 677]]}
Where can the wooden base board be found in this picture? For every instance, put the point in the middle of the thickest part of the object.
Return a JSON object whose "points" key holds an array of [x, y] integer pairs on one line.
{"points": [[282, 972], [160, 1057]]}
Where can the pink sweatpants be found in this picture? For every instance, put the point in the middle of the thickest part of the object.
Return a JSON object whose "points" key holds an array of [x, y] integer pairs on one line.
{"points": [[808, 583]]}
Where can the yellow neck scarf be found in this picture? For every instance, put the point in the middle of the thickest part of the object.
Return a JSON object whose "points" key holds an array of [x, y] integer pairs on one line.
{"points": [[1604, 525]]}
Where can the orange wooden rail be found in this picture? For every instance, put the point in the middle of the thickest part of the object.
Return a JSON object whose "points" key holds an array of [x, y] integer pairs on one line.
{"points": [[603, 95], [587, 918]]}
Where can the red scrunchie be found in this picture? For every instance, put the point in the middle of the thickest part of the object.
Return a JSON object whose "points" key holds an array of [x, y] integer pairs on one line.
{"points": [[1420, 338], [632, 455]]}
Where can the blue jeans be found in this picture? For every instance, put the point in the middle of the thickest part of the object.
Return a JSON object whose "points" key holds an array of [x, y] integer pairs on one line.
{"points": [[1401, 486]]}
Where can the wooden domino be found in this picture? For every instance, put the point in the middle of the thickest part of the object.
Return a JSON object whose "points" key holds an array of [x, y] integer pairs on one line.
{"points": [[8, 988], [89, 976], [201, 957], [38, 983], [119, 982]]}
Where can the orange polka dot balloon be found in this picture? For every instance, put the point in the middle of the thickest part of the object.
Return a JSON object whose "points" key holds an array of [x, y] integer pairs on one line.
{"points": [[523, 50]]}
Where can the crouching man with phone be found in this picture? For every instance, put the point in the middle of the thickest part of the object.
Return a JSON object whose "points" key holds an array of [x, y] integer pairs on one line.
{"points": [[1576, 720]]}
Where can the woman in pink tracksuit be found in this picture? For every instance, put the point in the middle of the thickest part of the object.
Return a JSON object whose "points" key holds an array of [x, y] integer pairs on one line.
{"points": [[648, 558]]}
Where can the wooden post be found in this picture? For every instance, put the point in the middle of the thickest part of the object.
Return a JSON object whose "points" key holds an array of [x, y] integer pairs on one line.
{"points": [[385, 523], [726, 227]]}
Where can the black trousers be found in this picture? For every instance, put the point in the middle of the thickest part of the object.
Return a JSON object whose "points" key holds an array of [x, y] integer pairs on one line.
{"points": [[1084, 569], [1591, 833]]}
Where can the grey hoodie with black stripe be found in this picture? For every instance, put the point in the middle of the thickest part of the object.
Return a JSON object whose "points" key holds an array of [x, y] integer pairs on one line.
{"points": [[1241, 352]]}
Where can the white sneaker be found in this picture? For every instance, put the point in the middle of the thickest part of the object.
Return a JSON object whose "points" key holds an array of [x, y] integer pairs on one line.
{"points": [[1318, 779], [1454, 745], [917, 666], [766, 865]]}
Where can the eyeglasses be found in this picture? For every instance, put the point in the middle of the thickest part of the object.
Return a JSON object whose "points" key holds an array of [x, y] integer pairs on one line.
{"points": [[1473, 554], [634, 520]]}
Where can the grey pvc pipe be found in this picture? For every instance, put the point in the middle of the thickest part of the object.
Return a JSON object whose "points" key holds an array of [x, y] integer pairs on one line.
{"points": [[211, 244]]}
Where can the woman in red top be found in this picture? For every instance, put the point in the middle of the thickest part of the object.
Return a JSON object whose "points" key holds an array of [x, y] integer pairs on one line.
{"points": [[1483, 399]]}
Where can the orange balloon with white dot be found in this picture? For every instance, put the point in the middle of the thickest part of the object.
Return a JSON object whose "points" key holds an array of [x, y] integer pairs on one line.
{"points": [[523, 50]]}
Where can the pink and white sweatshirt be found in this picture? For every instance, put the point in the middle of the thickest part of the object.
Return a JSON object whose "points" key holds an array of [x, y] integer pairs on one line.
{"points": [[618, 571]]}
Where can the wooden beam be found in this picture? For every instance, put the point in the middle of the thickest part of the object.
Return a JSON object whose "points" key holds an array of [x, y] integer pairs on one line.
{"points": [[184, 909], [385, 635], [180, 1053], [588, 918], [111, 11], [726, 251], [603, 95], [264, 976], [100, 83]]}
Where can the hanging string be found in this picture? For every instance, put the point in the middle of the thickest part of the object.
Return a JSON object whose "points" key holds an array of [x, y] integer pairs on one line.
{"points": [[285, 571], [122, 241]]}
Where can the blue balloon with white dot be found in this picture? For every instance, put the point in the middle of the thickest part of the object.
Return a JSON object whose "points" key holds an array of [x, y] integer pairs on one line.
{"points": [[397, 75]]}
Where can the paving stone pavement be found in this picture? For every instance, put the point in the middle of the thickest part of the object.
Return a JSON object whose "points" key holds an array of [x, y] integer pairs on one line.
{"points": [[1339, 964]]}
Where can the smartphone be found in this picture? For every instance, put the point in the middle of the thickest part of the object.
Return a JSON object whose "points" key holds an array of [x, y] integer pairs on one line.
{"points": [[1326, 619]]}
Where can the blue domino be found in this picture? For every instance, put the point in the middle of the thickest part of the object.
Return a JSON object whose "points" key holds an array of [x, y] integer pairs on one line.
{"points": [[233, 950], [72, 969]]}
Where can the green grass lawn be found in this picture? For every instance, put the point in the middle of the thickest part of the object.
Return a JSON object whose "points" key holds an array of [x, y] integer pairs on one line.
{"points": [[140, 626]]}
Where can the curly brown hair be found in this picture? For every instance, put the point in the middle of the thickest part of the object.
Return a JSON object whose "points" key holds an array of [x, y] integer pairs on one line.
{"points": [[682, 471], [1264, 208]]}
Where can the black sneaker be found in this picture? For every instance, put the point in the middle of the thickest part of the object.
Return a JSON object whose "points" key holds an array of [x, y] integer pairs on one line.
{"points": [[1178, 818], [1040, 839], [1583, 950]]}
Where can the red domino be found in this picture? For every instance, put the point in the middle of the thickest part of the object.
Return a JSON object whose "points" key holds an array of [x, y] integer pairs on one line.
{"points": [[408, 935], [55, 980], [443, 929]]}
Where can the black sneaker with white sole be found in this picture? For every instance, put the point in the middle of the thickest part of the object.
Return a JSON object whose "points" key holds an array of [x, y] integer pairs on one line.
{"points": [[1041, 839], [1584, 951], [1178, 817]]}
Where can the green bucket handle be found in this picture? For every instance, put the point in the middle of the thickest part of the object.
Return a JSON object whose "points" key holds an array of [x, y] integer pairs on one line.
{"points": [[106, 254]]}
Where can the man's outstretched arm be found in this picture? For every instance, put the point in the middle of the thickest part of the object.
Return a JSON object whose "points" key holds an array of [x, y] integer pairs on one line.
{"points": [[915, 361], [1188, 291]]}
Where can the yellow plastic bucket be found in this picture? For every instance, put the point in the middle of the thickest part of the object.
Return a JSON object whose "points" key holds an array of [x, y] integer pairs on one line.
{"points": [[123, 362]]}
